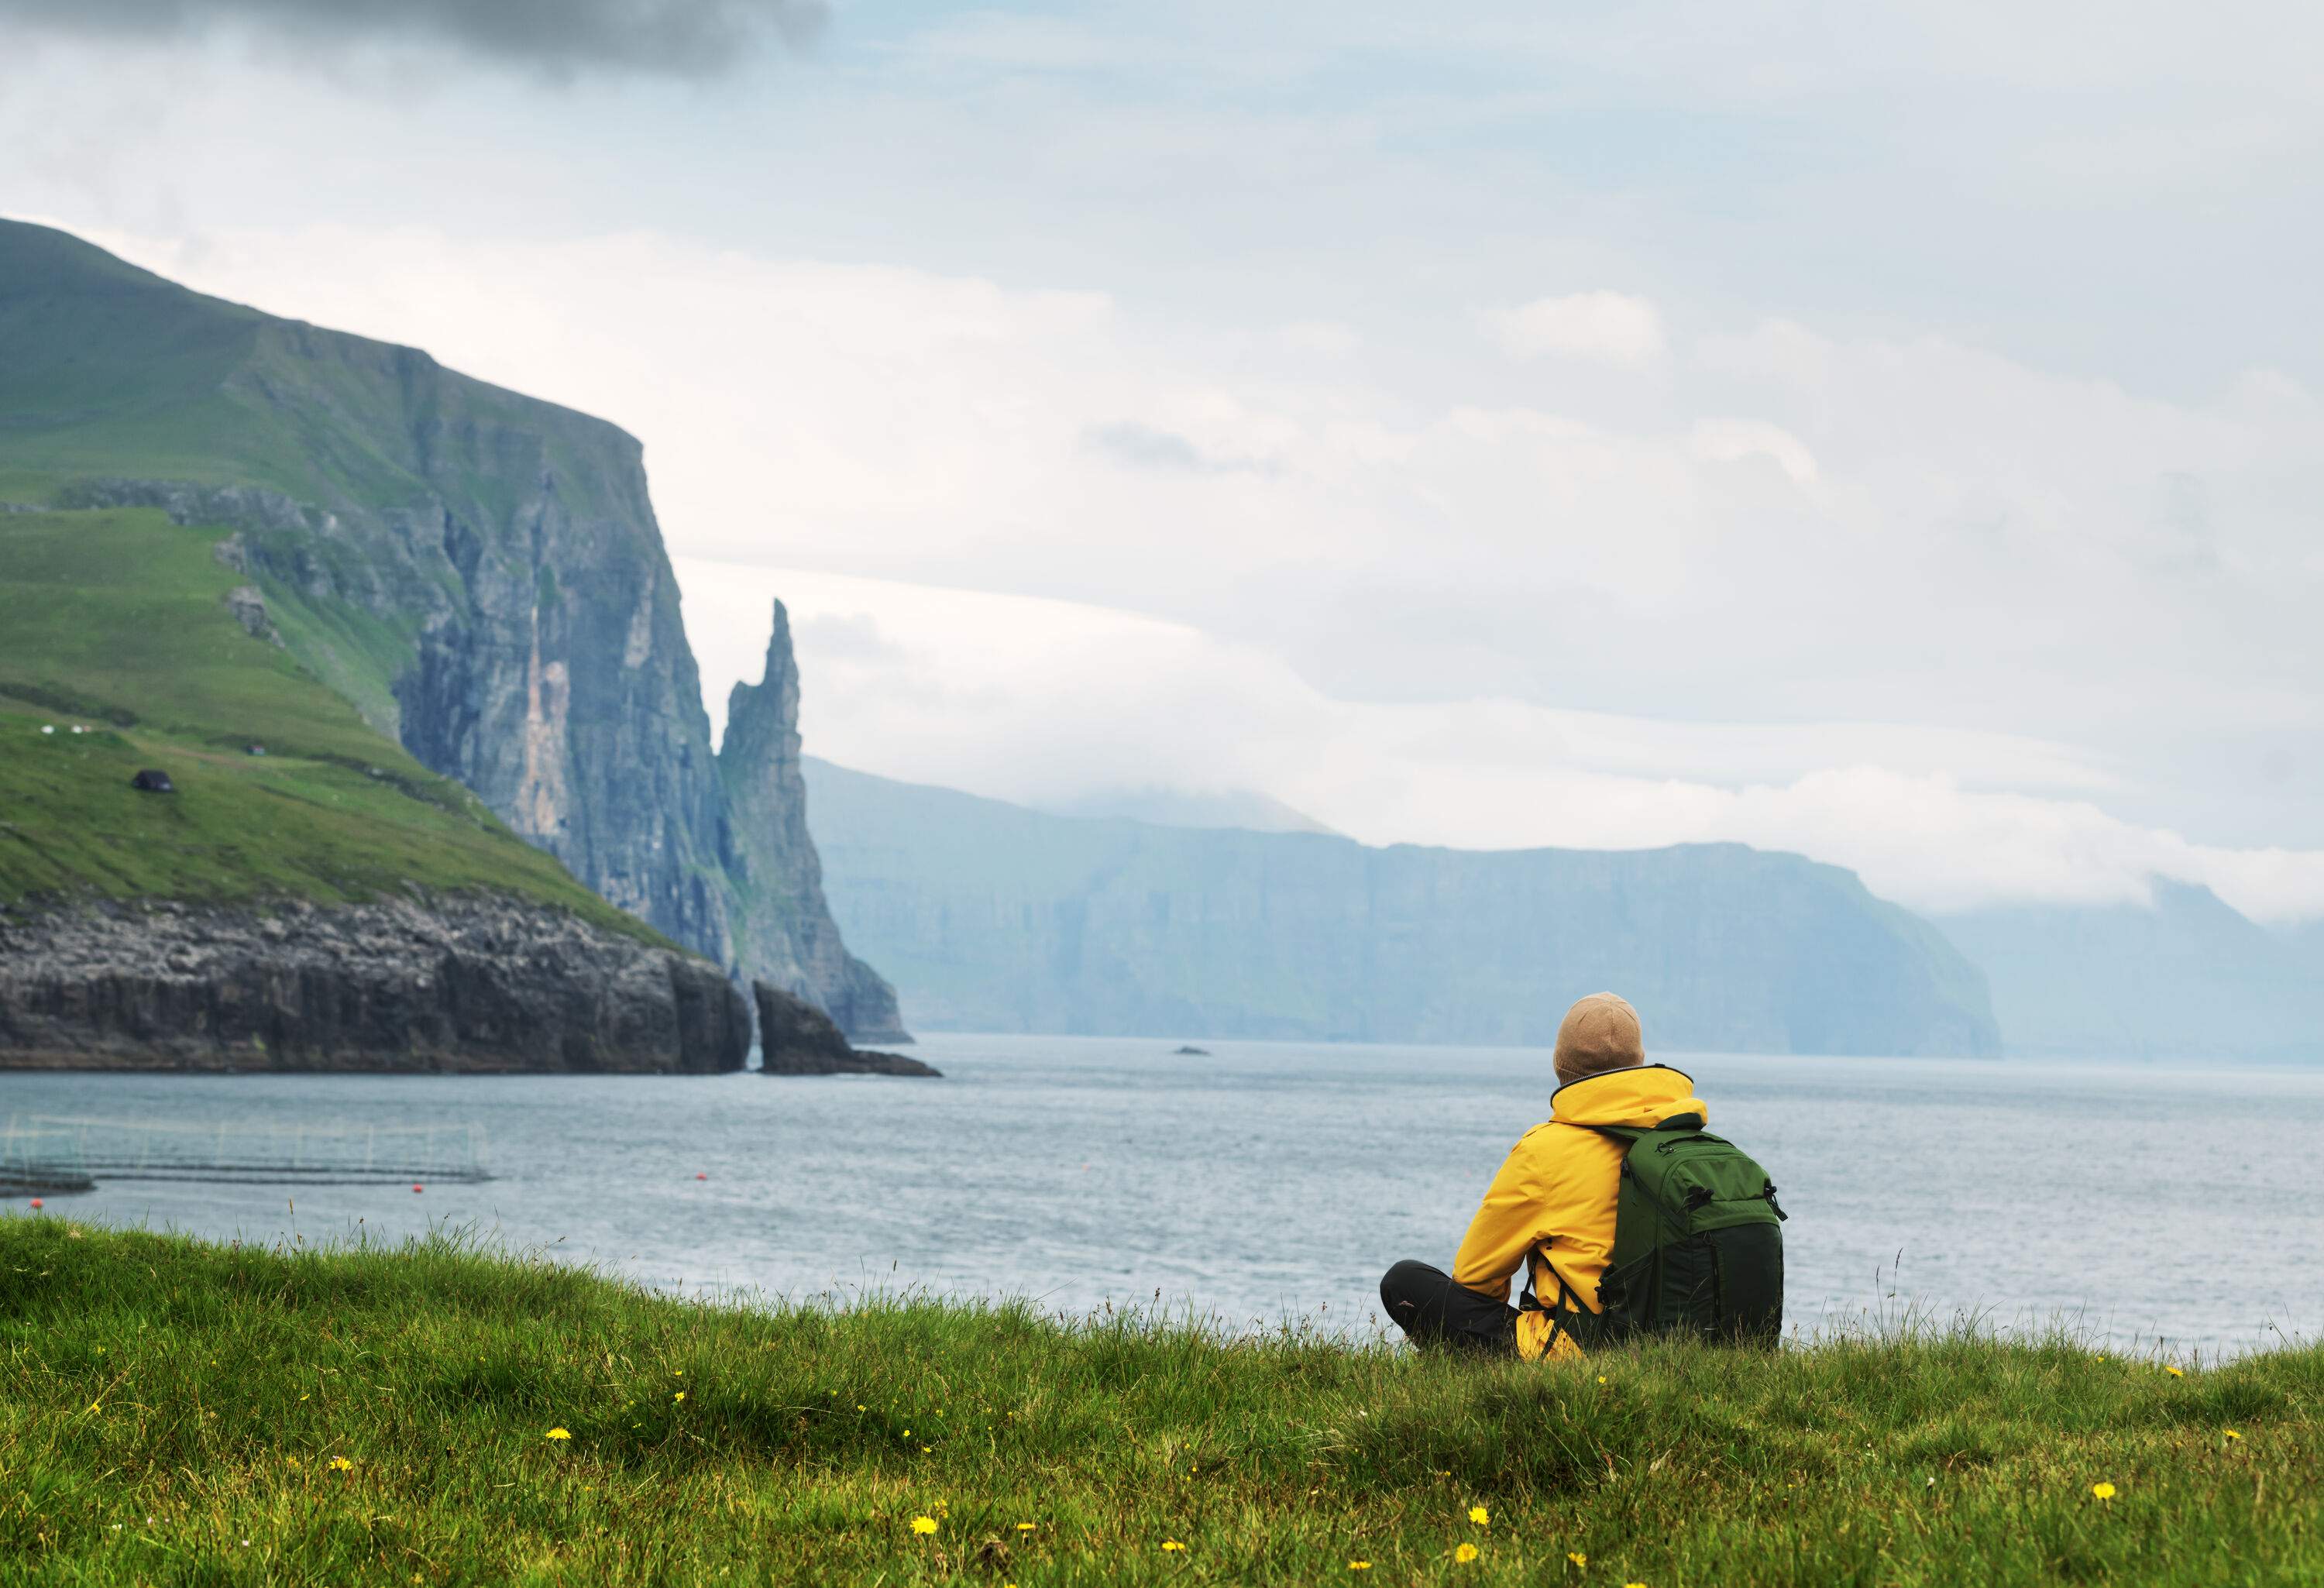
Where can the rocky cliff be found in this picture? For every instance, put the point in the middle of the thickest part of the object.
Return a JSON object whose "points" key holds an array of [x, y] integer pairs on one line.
{"points": [[993, 917], [783, 929], [479, 572], [432, 984]]}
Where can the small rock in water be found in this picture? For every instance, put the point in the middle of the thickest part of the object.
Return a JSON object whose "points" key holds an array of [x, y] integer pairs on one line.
{"points": [[1191, 1051]]}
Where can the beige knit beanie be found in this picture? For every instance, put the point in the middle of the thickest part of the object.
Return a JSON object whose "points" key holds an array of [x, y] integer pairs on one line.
{"points": [[1599, 1033]]}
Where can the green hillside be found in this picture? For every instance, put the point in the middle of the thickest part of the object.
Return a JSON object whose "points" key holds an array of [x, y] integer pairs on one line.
{"points": [[109, 373], [113, 371], [116, 622]]}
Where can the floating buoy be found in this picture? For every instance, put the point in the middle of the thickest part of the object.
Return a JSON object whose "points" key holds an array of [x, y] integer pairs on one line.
{"points": [[700, 1176], [415, 1190], [37, 1205]]}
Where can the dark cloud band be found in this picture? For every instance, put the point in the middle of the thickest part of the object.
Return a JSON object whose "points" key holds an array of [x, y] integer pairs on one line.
{"points": [[688, 38]]}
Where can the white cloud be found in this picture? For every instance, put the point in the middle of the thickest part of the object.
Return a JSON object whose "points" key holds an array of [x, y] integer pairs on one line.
{"points": [[1612, 327], [1730, 441], [1331, 338], [1038, 701]]}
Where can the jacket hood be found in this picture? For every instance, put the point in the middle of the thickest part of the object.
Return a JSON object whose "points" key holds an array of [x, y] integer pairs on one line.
{"points": [[1641, 1096]]}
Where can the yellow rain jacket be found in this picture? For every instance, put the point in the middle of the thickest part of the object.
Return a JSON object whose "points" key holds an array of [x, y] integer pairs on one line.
{"points": [[1558, 1189]]}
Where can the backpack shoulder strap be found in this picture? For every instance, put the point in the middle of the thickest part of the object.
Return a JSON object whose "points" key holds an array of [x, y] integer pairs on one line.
{"points": [[1564, 1318]]}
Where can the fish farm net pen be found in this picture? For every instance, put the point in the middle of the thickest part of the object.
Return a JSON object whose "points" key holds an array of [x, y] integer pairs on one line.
{"points": [[67, 1153]]}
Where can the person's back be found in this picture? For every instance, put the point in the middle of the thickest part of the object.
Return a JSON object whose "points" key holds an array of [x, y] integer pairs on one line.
{"points": [[1551, 1210]]}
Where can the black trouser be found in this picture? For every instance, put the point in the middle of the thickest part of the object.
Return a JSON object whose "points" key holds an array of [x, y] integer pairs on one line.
{"points": [[1429, 1307]]}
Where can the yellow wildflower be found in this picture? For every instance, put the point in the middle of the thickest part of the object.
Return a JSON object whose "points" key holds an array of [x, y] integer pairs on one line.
{"points": [[95, 1406], [340, 1463], [1577, 1557], [679, 1395], [1601, 1378], [2103, 1491], [2232, 1435], [2174, 1373], [1025, 1527], [1360, 1565], [924, 1524], [1479, 1515], [1172, 1543], [1465, 1554], [557, 1433]]}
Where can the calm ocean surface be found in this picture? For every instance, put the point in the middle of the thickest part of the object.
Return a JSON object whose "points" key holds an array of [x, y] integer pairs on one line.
{"points": [[2143, 1205]]}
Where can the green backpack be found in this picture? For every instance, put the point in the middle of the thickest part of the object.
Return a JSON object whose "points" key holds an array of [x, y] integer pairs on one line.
{"points": [[1698, 1244]]}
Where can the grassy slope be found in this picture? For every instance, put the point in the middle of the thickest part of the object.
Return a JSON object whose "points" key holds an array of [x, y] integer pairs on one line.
{"points": [[173, 1411], [110, 371], [113, 370], [115, 620]]}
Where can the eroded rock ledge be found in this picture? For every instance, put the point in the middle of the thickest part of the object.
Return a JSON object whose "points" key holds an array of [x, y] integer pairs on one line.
{"points": [[462, 982], [797, 1039]]}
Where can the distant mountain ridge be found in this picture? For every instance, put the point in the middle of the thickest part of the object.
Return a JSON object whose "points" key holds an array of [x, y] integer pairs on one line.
{"points": [[992, 917], [479, 572], [2187, 978]]}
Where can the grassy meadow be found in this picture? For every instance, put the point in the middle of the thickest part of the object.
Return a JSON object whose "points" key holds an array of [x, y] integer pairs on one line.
{"points": [[176, 1412]]}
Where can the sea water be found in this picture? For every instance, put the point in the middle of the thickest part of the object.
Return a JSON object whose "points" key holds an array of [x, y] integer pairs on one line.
{"points": [[2146, 1206]]}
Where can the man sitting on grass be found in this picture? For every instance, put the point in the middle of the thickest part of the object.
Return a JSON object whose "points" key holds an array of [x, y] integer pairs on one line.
{"points": [[1552, 1205]]}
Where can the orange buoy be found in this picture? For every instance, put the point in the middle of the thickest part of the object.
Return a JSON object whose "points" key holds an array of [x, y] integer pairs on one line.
{"points": [[415, 1190], [37, 1205], [700, 1176]]}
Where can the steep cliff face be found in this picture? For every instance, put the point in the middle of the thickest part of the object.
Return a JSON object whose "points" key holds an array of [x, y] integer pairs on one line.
{"points": [[993, 917], [783, 930], [461, 983], [479, 572]]}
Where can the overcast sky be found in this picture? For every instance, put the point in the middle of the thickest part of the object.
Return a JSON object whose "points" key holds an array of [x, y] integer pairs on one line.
{"points": [[1894, 433]]}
